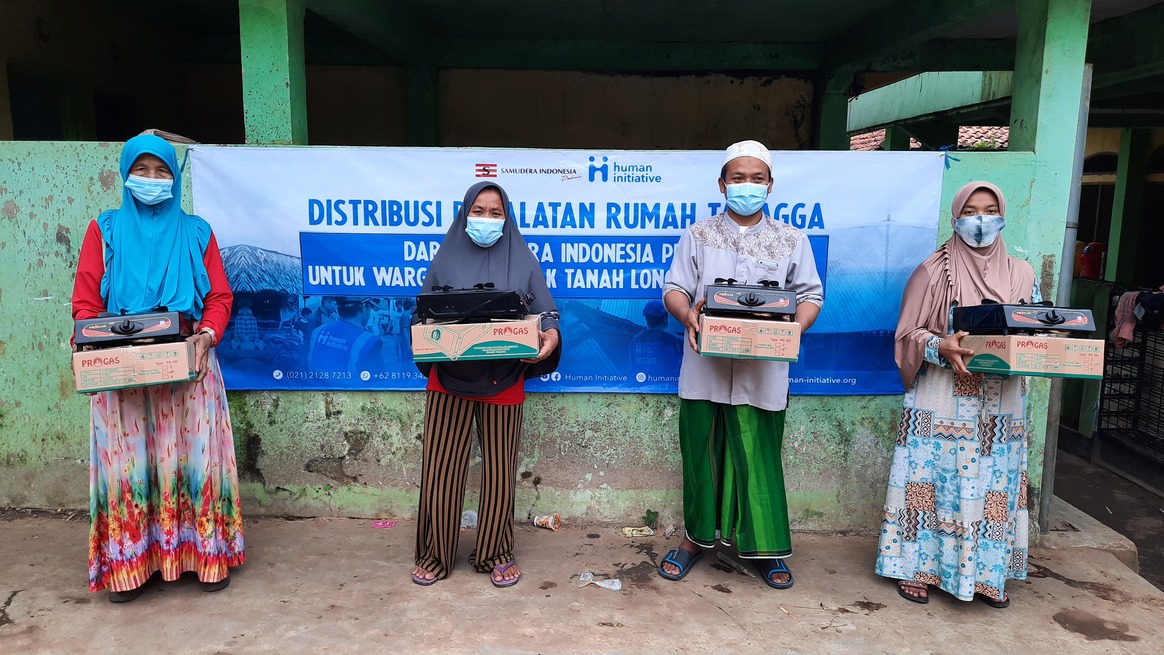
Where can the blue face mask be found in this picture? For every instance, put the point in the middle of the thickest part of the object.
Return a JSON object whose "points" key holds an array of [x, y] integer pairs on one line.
{"points": [[149, 191], [979, 231], [745, 199], [484, 231]]}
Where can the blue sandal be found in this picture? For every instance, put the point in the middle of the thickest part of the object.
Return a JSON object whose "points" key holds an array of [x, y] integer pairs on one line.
{"points": [[767, 567], [682, 559]]}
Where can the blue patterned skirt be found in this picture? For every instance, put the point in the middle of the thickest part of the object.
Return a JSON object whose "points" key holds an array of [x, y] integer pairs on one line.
{"points": [[956, 509]]}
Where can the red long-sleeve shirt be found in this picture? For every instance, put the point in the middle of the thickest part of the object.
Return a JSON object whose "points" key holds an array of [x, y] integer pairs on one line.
{"points": [[88, 303]]}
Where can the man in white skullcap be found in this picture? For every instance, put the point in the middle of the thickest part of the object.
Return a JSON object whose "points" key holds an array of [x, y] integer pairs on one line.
{"points": [[731, 411]]}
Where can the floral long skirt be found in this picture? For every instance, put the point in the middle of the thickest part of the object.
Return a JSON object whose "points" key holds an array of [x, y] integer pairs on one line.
{"points": [[956, 509], [163, 485]]}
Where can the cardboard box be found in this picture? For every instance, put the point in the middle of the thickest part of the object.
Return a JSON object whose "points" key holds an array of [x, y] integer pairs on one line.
{"points": [[499, 339], [1042, 356], [133, 366], [746, 338]]}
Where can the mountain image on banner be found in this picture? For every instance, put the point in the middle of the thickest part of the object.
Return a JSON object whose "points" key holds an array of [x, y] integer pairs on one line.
{"points": [[251, 269]]}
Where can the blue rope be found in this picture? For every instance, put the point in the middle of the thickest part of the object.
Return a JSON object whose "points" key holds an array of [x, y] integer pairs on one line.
{"points": [[946, 152]]}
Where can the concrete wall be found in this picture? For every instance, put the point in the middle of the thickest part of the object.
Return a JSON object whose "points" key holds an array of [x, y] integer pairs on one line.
{"points": [[602, 457]]}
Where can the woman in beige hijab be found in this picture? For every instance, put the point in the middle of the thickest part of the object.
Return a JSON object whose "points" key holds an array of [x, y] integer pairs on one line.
{"points": [[956, 509]]}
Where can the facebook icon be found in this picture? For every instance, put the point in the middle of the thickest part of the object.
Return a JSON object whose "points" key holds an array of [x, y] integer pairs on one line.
{"points": [[595, 169]]}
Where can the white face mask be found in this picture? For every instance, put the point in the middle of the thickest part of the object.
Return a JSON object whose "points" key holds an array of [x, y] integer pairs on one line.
{"points": [[979, 231]]}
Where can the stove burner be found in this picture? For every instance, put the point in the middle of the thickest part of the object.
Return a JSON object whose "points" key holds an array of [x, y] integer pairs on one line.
{"points": [[764, 300], [998, 318], [112, 330], [480, 304]]}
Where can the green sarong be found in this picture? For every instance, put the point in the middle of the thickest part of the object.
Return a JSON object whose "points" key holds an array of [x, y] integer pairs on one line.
{"points": [[733, 477]]}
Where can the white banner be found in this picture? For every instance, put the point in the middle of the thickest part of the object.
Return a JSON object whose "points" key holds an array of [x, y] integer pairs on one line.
{"points": [[601, 222]]}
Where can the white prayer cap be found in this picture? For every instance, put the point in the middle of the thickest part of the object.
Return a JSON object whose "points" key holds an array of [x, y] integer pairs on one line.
{"points": [[748, 149]]}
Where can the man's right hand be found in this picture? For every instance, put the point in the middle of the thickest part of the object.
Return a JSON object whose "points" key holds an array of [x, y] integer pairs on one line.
{"points": [[691, 322], [951, 348]]}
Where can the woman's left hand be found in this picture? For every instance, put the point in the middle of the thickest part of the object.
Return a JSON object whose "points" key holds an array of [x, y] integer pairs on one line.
{"points": [[203, 342], [549, 340]]}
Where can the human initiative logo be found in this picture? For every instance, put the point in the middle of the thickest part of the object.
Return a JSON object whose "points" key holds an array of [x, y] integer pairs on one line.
{"points": [[612, 171], [604, 169]]}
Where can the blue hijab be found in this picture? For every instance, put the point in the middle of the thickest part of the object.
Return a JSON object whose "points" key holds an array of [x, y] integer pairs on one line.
{"points": [[153, 254]]}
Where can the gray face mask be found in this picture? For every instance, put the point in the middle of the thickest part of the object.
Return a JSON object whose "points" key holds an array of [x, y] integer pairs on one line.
{"points": [[979, 231]]}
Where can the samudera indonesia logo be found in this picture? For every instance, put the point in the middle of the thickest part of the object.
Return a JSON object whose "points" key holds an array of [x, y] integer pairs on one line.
{"points": [[612, 171], [494, 170]]}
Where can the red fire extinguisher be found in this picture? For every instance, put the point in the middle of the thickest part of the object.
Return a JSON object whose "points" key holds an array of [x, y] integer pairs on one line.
{"points": [[1091, 264]]}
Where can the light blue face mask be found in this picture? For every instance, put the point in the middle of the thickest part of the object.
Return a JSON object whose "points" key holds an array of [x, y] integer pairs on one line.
{"points": [[484, 231], [149, 191], [745, 199], [979, 231]]}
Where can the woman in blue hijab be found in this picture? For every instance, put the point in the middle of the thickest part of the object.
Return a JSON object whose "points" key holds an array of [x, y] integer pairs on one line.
{"points": [[163, 485]]}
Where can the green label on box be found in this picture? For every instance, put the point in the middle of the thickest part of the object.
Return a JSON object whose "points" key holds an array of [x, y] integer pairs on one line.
{"points": [[988, 364], [486, 350], [763, 357]]}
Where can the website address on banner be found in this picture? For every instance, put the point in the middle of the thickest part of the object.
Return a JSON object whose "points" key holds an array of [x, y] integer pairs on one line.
{"points": [[823, 380]]}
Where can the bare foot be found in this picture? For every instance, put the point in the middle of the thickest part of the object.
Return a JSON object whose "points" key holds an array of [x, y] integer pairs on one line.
{"points": [[687, 545], [422, 573], [914, 589], [780, 578], [508, 574]]}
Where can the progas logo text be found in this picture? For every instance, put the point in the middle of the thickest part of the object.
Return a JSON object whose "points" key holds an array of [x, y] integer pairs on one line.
{"points": [[724, 329], [90, 362], [511, 331], [1031, 343], [995, 344]]}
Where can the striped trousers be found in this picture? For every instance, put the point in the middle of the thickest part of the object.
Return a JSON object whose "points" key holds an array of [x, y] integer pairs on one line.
{"points": [[448, 423]]}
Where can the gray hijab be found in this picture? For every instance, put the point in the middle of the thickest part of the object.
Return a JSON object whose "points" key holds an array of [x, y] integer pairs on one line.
{"points": [[508, 264]]}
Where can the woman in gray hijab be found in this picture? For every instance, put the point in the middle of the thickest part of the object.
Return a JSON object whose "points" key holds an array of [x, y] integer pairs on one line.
{"points": [[483, 245]]}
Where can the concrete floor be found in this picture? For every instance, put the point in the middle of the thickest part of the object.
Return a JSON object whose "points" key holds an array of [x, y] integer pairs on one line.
{"points": [[1124, 506], [342, 586]]}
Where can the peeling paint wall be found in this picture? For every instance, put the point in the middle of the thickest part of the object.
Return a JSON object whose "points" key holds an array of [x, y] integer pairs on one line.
{"points": [[48, 193], [604, 457]]}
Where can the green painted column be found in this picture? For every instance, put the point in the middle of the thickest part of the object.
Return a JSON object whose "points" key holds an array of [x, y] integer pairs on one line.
{"points": [[274, 89], [832, 130], [1048, 76], [422, 105], [1127, 206], [1048, 91]]}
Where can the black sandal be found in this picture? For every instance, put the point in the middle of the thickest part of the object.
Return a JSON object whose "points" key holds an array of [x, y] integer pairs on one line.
{"points": [[125, 596], [921, 600], [994, 602], [211, 587]]}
